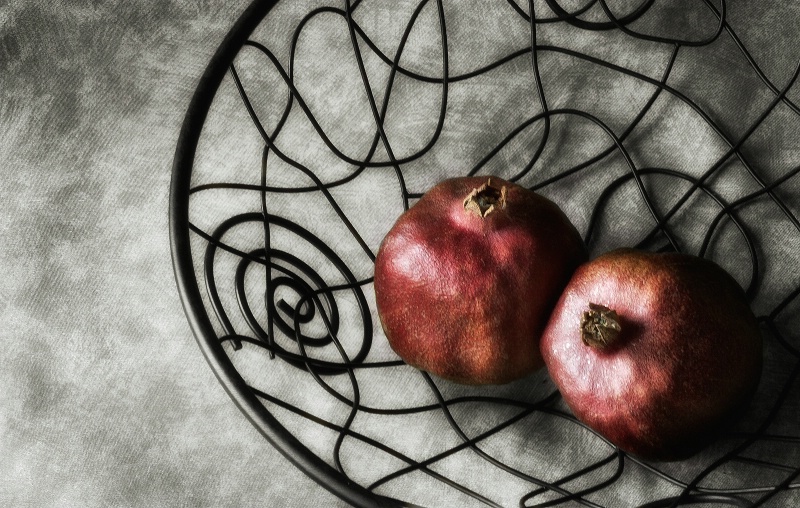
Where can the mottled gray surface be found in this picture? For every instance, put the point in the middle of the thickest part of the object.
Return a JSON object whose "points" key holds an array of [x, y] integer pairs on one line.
{"points": [[105, 399]]}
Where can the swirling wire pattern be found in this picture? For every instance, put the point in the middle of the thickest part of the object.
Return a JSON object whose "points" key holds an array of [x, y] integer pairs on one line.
{"points": [[279, 267]]}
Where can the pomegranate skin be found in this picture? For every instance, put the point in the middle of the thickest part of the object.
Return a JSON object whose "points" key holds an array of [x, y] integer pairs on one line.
{"points": [[686, 361], [465, 296]]}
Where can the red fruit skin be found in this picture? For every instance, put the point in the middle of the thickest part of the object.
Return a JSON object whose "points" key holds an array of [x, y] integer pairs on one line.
{"points": [[466, 297], [687, 360]]}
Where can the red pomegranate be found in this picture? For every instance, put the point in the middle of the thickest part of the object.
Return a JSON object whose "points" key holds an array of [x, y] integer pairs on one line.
{"points": [[656, 352], [466, 278]]}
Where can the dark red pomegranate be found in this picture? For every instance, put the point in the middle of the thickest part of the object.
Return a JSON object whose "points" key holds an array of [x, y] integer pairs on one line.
{"points": [[466, 278], [656, 352]]}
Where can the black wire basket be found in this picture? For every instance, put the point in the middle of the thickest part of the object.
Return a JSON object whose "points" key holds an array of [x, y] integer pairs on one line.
{"points": [[652, 124]]}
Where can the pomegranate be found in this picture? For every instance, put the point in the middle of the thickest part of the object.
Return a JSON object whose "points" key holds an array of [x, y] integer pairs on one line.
{"points": [[466, 278], [656, 352]]}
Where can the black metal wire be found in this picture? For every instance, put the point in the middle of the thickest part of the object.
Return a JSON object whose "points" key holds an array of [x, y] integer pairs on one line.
{"points": [[264, 325]]}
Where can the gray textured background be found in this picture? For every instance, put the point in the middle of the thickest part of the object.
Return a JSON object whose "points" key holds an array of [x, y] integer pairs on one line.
{"points": [[105, 399]]}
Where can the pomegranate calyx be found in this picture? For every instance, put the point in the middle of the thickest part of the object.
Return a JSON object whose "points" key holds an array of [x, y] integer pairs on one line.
{"points": [[599, 326], [485, 199]]}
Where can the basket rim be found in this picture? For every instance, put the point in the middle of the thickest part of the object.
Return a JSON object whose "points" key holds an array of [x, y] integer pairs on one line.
{"points": [[183, 267]]}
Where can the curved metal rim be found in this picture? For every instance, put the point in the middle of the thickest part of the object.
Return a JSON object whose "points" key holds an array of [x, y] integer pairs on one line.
{"points": [[277, 435]]}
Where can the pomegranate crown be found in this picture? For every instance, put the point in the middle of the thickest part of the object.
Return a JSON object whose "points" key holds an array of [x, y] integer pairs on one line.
{"points": [[485, 199]]}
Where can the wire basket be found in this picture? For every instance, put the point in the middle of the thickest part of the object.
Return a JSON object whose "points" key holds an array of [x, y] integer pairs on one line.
{"points": [[652, 125]]}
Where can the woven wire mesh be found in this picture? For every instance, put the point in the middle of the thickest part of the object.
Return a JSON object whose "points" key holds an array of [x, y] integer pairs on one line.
{"points": [[652, 124]]}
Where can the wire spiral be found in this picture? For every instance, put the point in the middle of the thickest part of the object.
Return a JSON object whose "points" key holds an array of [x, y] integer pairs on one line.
{"points": [[280, 200]]}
